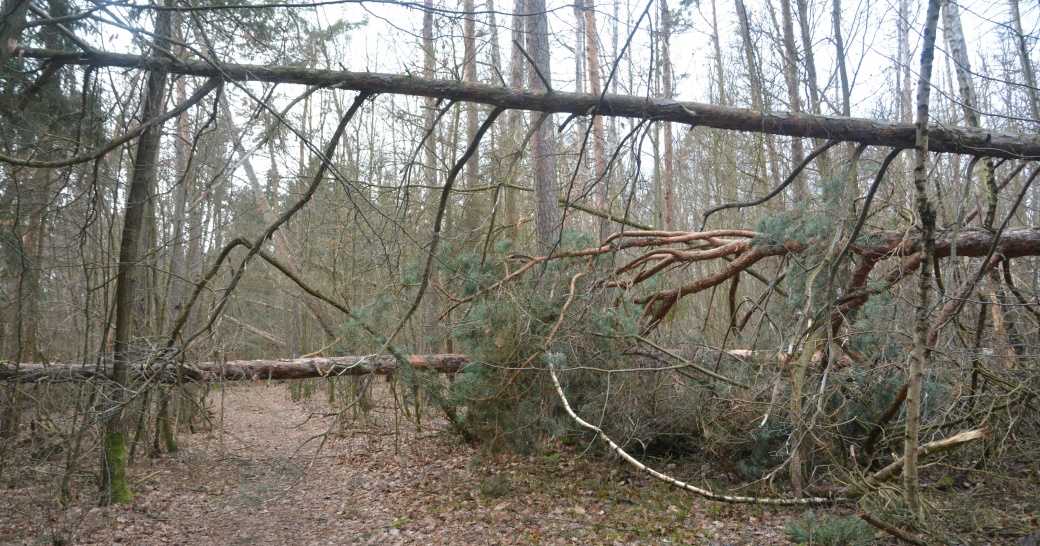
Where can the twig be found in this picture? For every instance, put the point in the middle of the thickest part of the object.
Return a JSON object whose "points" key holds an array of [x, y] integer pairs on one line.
{"points": [[894, 531], [534, 65], [776, 191]]}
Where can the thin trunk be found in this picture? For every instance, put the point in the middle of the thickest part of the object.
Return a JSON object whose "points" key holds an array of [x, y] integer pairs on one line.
{"points": [[749, 55], [808, 57], [599, 142], [719, 72], [926, 215], [954, 35], [579, 187], [429, 115], [800, 188], [903, 63], [181, 195], [666, 93], [114, 488], [473, 206], [839, 45], [515, 118], [501, 134], [496, 49], [757, 101], [1027, 64]]}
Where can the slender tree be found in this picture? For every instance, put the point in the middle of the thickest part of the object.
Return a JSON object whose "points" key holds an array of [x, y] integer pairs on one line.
{"points": [[925, 209], [114, 487]]}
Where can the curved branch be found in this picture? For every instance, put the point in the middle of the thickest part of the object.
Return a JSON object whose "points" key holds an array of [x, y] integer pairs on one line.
{"points": [[776, 191]]}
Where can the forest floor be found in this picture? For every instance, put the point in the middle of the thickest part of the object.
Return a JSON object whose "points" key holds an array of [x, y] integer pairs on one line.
{"points": [[259, 478]]}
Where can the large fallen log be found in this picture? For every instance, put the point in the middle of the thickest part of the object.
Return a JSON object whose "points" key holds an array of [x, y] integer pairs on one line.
{"points": [[963, 140], [241, 370]]}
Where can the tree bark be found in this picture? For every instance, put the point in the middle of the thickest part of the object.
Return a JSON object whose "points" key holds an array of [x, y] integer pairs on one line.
{"points": [[800, 188], [474, 204], [925, 209], [599, 138], [1027, 64], [543, 145], [241, 370], [983, 142], [113, 484], [12, 23], [515, 120], [839, 45], [668, 173]]}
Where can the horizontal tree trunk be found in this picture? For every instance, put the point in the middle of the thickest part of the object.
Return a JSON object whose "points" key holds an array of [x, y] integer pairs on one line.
{"points": [[975, 243], [242, 370], [983, 142]]}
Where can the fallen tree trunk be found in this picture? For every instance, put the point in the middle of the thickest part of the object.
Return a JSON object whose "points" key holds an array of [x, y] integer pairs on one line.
{"points": [[962, 140], [243, 370]]}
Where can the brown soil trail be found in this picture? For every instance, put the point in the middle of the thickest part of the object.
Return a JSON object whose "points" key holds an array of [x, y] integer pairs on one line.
{"points": [[378, 481]]}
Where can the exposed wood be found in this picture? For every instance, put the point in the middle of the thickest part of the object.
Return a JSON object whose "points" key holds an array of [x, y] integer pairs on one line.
{"points": [[985, 142], [888, 473], [241, 370]]}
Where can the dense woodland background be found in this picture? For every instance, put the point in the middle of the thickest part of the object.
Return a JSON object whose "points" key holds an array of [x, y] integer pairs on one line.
{"points": [[775, 275]]}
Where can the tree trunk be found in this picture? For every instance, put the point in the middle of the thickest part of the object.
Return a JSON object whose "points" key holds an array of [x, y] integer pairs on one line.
{"points": [[666, 92], [1027, 64], [240, 370], [800, 188], [429, 106], [114, 488], [925, 209], [599, 138], [905, 111], [843, 74], [810, 59], [474, 204], [12, 23], [543, 145], [987, 143]]}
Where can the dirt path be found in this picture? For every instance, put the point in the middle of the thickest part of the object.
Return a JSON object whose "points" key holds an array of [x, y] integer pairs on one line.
{"points": [[368, 485]]}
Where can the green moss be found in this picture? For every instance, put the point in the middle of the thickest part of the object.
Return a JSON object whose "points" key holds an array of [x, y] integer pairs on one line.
{"points": [[114, 486]]}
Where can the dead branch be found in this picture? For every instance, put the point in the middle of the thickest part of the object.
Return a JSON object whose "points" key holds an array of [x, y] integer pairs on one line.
{"points": [[875, 480]]}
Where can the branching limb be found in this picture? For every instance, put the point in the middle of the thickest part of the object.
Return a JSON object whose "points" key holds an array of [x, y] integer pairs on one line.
{"points": [[708, 494]]}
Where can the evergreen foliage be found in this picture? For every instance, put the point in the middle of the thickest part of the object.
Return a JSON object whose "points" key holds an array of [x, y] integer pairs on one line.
{"points": [[830, 531]]}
